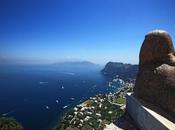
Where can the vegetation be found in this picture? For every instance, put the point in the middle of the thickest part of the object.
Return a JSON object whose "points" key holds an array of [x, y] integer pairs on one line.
{"points": [[9, 124], [120, 100]]}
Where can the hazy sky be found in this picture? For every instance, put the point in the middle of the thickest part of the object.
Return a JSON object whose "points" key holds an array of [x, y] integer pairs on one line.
{"points": [[45, 31]]}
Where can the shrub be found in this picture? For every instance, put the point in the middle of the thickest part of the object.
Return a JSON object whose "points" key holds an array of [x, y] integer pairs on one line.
{"points": [[9, 124]]}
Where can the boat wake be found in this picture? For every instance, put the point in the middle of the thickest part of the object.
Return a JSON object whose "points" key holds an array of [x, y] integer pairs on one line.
{"points": [[42, 82], [69, 73], [72, 98], [66, 106], [8, 113]]}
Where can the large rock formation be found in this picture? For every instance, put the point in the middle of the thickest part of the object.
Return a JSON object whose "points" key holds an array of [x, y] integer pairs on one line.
{"points": [[155, 81]]}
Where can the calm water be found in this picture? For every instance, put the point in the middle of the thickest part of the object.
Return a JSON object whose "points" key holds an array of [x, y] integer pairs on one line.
{"points": [[37, 95]]}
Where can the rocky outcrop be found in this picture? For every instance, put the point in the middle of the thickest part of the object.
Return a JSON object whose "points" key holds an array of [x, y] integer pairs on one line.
{"points": [[155, 81]]}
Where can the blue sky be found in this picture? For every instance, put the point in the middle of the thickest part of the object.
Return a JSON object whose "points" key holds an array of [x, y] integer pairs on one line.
{"points": [[46, 31]]}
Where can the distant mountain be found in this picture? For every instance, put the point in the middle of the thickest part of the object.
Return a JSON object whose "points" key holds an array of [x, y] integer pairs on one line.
{"points": [[77, 65], [3, 60], [122, 70]]}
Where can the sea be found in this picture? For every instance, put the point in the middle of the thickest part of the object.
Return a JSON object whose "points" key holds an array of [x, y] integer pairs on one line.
{"points": [[37, 96]]}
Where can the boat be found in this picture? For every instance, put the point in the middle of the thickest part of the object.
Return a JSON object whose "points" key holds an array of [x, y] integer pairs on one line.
{"points": [[72, 98], [66, 106], [47, 107], [43, 82]]}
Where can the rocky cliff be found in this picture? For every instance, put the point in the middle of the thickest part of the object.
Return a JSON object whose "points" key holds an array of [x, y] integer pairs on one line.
{"points": [[122, 70]]}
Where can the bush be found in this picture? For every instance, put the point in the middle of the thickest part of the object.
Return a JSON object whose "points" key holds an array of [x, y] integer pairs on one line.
{"points": [[9, 124]]}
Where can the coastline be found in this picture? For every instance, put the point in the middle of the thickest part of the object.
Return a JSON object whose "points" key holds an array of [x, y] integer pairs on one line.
{"points": [[58, 119], [96, 111]]}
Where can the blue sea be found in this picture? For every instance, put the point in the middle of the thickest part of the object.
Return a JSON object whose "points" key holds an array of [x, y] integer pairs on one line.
{"points": [[37, 96]]}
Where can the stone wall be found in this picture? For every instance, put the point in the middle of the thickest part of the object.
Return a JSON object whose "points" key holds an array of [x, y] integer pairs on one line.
{"points": [[145, 118]]}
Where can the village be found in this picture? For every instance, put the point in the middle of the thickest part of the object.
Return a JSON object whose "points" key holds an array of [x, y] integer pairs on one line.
{"points": [[98, 111]]}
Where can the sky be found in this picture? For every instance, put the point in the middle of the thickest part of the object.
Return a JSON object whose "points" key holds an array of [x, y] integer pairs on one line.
{"points": [[48, 31]]}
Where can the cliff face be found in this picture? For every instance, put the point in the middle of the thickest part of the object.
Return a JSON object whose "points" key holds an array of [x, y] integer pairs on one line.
{"points": [[122, 70]]}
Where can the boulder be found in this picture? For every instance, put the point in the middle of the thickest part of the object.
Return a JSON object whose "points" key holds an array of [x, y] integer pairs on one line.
{"points": [[155, 82]]}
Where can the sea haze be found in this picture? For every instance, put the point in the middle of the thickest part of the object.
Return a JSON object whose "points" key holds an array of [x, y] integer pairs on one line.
{"points": [[37, 96]]}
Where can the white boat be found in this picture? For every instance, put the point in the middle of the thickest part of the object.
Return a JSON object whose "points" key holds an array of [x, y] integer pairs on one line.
{"points": [[47, 107], [72, 98], [66, 106]]}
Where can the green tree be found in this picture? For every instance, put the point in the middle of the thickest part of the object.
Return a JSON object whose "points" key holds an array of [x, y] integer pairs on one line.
{"points": [[9, 124]]}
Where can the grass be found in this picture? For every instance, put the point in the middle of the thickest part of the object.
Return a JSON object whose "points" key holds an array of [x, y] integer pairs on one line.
{"points": [[88, 102], [87, 127], [120, 100], [70, 128]]}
